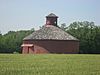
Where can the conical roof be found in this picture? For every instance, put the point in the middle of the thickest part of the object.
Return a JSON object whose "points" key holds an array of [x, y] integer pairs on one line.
{"points": [[51, 15], [50, 32]]}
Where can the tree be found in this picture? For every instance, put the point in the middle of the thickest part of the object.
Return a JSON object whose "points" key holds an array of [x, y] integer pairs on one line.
{"points": [[11, 42], [32, 29], [0, 33], [88, 34], [63, 26]]}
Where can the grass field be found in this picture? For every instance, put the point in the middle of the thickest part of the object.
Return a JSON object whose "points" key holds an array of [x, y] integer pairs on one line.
{"points": [[49, 64]]}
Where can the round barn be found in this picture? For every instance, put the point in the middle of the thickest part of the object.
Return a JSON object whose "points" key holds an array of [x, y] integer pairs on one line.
{"points": [[50, 39]]}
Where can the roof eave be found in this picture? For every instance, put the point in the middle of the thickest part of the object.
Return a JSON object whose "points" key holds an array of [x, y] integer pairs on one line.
{"points": [[48, 40]]}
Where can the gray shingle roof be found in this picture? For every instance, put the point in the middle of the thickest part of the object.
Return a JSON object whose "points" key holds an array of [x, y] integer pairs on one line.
{"points": [[50, 32]]}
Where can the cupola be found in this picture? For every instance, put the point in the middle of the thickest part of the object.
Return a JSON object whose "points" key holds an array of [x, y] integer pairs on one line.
{"points": [[51, 19]]}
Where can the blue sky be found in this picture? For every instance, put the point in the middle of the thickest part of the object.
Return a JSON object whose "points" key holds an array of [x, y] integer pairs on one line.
{"points": [[26, 14]]}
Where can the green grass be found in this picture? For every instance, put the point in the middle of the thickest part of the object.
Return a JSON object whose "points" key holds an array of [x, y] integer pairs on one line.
{"points": [[49, 64]]}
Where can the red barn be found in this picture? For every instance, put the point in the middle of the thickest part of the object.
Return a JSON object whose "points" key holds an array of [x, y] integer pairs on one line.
{"points": [[50, 39]]}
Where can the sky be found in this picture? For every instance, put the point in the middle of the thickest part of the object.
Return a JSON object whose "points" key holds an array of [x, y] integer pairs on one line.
{"points": [[18, 15]]}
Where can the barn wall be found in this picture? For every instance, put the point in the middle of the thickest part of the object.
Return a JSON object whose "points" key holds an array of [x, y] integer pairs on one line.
{"points": [[54, 46]]}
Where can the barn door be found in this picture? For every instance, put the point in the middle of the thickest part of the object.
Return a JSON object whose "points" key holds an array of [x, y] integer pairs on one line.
{"points": [[28, 48], [31, 50]]}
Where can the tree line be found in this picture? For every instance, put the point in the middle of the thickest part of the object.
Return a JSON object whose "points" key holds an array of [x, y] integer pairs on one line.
{"points": [[87, 32], [11, 42]]}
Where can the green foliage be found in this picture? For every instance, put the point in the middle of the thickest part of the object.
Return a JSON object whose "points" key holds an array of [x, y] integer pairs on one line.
{"points": [[88, 34], [49, 64], [11, 42], [63, 26]]}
